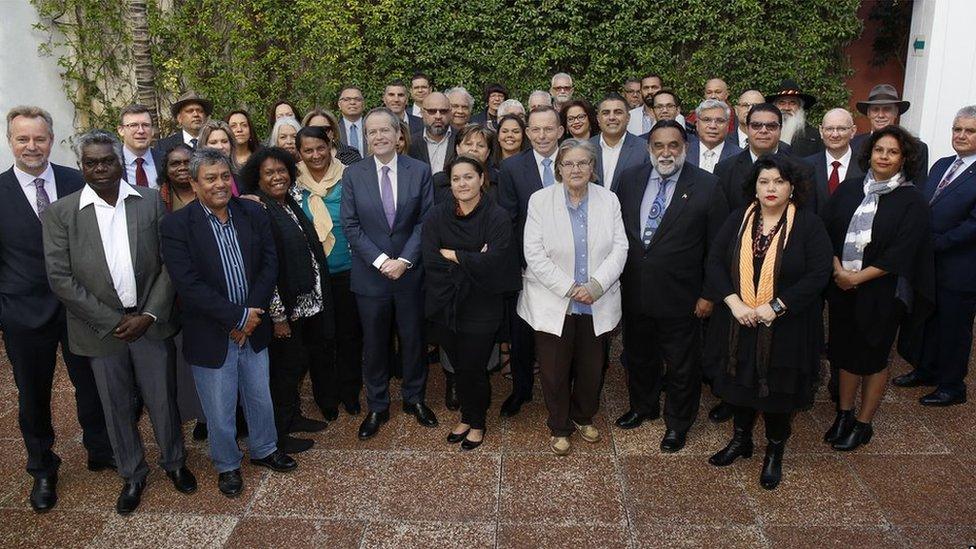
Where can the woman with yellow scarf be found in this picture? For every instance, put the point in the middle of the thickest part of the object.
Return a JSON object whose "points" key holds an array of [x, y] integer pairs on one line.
{"points": [[767, 270], [319, 192]]}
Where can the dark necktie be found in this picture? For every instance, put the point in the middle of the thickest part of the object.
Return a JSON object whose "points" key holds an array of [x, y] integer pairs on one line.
{"points": [[193, 142], [43, 200], [386, 195], [834, 177], [141, 179], [947, 178]]}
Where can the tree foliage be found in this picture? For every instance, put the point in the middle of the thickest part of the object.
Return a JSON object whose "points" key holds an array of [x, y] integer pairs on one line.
{"points": [[249, 53]]}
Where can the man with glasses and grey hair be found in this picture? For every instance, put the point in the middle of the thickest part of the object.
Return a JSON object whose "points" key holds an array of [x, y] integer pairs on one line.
{"points": [[561, 89], [711, 143]]}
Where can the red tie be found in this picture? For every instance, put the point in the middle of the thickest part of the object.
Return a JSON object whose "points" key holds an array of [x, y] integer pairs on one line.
{"points": [[834, 177], [141, 179]]}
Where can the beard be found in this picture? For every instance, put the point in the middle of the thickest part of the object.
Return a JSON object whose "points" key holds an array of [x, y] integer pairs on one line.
{"points": [[667, 164], [793, 123]]}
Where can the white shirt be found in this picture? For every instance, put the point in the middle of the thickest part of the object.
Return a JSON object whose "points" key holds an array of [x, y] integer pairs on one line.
{"points": [[416, 110], [378, 262], [359, 131], [538, 164], [437, 151], [115, 239], [756, 156], [610, 157], [26, 181], [743, 137], [845, 162], [148, 166], [706, 162], [188, 139]]}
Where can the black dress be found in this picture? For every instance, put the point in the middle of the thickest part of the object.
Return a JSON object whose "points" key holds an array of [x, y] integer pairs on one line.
{"points": [[863, 322], [797, 336]]}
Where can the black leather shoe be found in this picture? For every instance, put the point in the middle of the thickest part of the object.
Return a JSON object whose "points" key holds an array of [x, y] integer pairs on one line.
{"points": [[842, 425], [673, 441], [454, 438], [200, 431], [230, 483], [633, 420], [276, 461], [44, 494], [450, 393], [183, 480], [772, 471], [912, 379], [302, 424], [720, 413], [941, 398], [330, 414], [859, 434], [130, 497], [98, 466], [352, 408], [294, 445], [739, 446], [371, 425], [513, 404], [425, 416], [467, 444]]}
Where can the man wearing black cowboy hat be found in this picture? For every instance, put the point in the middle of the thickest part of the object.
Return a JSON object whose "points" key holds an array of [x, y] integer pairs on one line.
{"points": [[794, 104], [884, 108], [191, 112]]}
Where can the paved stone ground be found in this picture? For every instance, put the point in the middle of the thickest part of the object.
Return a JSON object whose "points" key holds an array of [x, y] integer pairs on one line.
{"points": [[914, 485]]}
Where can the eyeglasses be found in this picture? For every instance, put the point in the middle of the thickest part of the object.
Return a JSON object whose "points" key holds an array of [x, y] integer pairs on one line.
{"points": [[836, 129], [666, 107], [577, 118], [709, 121], [437, 111], [758, 126], [569, 166], [137, 126]]}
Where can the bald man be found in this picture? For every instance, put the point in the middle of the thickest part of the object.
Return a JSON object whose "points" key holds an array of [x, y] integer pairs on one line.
{"points": [[715, 88], [435, 144], [742, 106], [837, 161]]}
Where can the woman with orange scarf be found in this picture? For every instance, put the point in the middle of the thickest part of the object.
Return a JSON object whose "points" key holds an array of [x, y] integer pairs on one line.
{"points": [[767, 269]]}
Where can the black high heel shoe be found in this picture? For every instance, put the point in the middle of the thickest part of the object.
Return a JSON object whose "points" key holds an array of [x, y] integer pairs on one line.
{"points": [[772, 471], [843, 424], [739, 446], [859, 434], [468, 444], [454, 438]]}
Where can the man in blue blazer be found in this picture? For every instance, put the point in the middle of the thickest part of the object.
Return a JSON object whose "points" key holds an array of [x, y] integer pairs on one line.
{"points": [[220, 255], [948, 336], [619, 149], [520, 176], [711, 143], [385, 199], [31, 317]]}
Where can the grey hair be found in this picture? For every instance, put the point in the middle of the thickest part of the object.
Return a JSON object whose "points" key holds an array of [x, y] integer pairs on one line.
{"points": [[573, 144], [283, 121], [394, 119], [540, 93], [206, 157], [30, 111], [552, 82], [508, 105], [99, 137], [709, 104], [460, 89], [969, 111]]}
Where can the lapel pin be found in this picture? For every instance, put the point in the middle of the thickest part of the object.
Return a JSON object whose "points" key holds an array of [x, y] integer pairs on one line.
{"points": [[685, 196]]}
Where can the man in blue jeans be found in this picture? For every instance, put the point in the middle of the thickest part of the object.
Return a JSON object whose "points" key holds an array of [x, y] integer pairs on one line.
{"points": [[220, 255]]}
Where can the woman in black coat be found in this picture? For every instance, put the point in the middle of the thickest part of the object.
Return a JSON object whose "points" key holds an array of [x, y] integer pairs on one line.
{"points": [[766, 271], [468, 268], [879, 228]]}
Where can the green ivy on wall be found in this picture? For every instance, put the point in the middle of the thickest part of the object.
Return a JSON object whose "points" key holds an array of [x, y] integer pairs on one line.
{"points": [[249, 53]]}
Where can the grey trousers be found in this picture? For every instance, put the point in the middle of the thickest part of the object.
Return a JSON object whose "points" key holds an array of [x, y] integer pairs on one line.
{"points": [[145, 370]]}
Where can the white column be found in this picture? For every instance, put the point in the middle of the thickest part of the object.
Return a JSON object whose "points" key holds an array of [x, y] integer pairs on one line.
{"points": [[940, 77]]}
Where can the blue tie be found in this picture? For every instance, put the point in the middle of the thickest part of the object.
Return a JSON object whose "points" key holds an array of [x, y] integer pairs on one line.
{"points": [[548, 178], [354, 138], [656, 213]]}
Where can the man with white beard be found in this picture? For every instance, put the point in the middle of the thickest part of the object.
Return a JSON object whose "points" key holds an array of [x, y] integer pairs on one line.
{"points": [[662, 283], [803, 138], [561, 89]]}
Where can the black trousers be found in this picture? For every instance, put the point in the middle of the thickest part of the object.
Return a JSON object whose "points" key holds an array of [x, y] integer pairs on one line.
{"points": [[655, 345], [290, 358], [376, 313], [778, 426], [33, 355], [469, 354], [571, 371], [521, 351], [341, 377], [948, 340]]}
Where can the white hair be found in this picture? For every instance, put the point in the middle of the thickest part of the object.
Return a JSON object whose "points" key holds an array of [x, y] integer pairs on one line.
{"points": [[792, 124], [560, 75], [509, 105], [541, 93], [969, 111], [283, 121], [460, 89], [710, 104]]}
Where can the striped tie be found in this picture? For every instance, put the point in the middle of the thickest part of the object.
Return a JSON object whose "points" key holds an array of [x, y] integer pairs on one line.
{"points": [[947, 179]]}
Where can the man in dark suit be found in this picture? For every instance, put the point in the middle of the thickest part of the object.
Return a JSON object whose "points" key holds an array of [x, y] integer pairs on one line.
{"points": [[141, 167], [220, 255], [803, 138], [884, 108], [837, 161], [32, 318], [948, 336], [351, 122], [101, 248], [434, 145], [520, 176], [671, 211], [619, 149], [495, 95], [712, 144], [395, 99], [385, 199], [191, 112]]}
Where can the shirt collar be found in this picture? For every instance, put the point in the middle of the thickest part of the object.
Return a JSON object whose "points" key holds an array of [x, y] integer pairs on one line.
{"points": [[130, 156], [88, 196], [27, 180], [756, 157], [845, 160], [443, 140], [967, 160], [672, 178], [717, 149], [187, 138], [349, 123], [569, 202], [209, 213], [392, 165], [619, 144], [539, 158]]}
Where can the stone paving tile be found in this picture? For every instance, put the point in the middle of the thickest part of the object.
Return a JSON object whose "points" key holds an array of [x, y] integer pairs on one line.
{"points": [[159, 531], [58, 528], [528, 433], [899, 428], [14, 481], [515, 536], [409, 535], [668, 536], [260, 532], [832, 537], [937, 537]]}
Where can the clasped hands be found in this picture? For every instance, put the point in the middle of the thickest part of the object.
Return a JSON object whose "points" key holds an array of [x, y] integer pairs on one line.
{"points": [[580, 294], [132, 327], [252, 321], [748, 316], [393, 268]]}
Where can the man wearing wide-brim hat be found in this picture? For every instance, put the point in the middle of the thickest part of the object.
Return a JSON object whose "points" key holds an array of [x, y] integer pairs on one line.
{"points": [[803, 138], [191, 112], [883, 108]]}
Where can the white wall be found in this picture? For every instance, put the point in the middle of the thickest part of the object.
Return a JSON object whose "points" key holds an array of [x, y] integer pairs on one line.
{"points": [[943, 79], [28, 78]]}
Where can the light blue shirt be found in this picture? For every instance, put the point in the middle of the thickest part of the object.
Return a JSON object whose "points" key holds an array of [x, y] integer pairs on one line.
{"points": [[577, 220], [650, 192]]}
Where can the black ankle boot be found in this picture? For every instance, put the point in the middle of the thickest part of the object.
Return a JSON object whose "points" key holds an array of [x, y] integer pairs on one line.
{"points": [[450, 393], [859, 434], [739, 446], [842, 425], [772, 471]]}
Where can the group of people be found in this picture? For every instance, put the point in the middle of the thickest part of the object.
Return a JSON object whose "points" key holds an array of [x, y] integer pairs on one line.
{"points": [[201, 277]]}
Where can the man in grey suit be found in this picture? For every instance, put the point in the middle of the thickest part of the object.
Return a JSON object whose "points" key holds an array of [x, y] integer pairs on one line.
{"points": [[619, 149], [101, 249], [711, 143]]}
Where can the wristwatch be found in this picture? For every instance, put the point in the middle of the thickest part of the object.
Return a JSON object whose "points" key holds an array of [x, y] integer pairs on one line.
{"points": [[777, 306]]}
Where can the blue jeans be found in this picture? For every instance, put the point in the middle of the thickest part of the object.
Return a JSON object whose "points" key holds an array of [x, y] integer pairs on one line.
{"points": [[246, 372]]}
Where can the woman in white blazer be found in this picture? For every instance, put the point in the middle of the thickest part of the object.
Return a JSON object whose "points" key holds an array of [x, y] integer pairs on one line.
{"points": [[575, 249]]}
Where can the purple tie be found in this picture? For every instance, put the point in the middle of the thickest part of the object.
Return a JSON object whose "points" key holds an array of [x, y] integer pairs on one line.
{"points": [[386, 194], [43, 200], [947, 178]]}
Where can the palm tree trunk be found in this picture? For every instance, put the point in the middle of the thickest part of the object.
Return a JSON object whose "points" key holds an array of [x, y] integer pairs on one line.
{"points": [[145, 70]]}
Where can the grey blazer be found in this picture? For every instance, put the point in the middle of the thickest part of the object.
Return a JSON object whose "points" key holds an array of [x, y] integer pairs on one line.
{"points": [[79, 275]]}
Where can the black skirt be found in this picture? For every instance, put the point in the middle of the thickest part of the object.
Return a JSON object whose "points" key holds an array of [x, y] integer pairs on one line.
{"points": [[851, 349]]}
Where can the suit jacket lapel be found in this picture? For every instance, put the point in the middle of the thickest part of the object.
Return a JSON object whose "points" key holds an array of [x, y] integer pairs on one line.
{"points": [[626, 152], [373, 186], [92, 241], [632, 206], [132, 212], [202, 233], [10, 187], [678, 201], [956, 182], [533, 170], [404, 181]]}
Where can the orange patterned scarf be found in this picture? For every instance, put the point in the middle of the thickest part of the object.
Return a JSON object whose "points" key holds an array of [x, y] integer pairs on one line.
{"points": [[755, 295]]}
